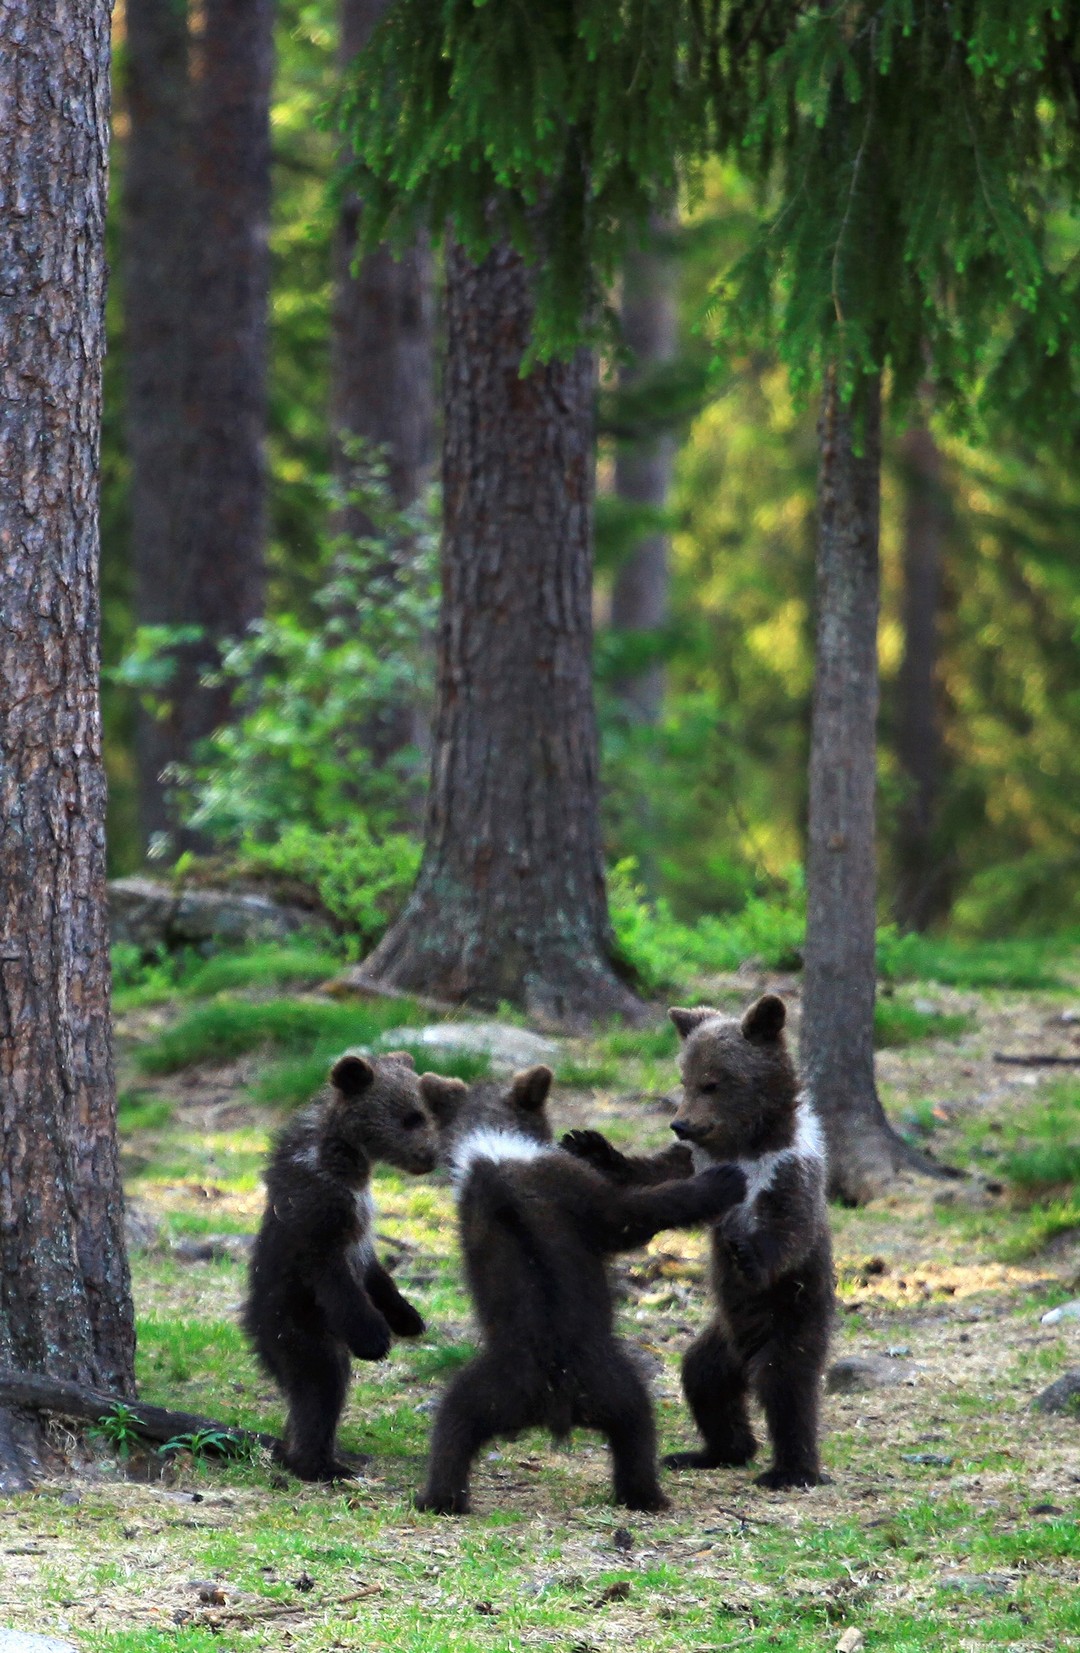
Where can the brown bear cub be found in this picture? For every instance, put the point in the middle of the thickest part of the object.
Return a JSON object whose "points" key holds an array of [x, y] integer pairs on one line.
{"points": [[772, 1270], [536, 1225], [317, 1293]]}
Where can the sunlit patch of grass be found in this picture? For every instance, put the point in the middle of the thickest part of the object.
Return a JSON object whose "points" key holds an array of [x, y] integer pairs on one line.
{"points": [[139, 1111], [230, 1027], [976, 964], [640, 1043], [299, 964], [897, 1024], [583, 1074]]}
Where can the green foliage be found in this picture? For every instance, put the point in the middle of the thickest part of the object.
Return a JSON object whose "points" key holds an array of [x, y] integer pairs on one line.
{"points": [[555, 127], [121, 1427], [664, 952], [311, 695], [298, 963], [361, 879], [951, 963], [135, 1111]]}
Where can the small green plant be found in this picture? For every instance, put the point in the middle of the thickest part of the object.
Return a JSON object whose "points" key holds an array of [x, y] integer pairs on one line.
{"points": [[121, 1427], [201, 1443]]}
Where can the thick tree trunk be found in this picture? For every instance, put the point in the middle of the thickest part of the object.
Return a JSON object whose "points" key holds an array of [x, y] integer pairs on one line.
{"points": [[510, 902], [839, 978], [65, 1303], [643, 469], [922, 877], [223, 529], [158, 246], [383, 383]]}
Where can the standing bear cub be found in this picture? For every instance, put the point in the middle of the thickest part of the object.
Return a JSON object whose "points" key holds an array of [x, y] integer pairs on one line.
{"points": [[536, 1226], [771, 1256], [317, 1293]]}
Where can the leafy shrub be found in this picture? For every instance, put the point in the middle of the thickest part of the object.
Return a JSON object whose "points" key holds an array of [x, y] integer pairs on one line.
{"points": [[361, 879], [310, 693]]}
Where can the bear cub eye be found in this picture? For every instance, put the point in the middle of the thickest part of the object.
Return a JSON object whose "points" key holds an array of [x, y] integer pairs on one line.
{"points": [[709, 1087], [413, 1121]]}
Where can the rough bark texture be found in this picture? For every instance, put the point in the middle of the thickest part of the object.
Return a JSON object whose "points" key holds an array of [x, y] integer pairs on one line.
{"points": [[223, 530], [839, 977], [510, 902], [922, 874], [639, 598], [157, 251], [65, 1303]]}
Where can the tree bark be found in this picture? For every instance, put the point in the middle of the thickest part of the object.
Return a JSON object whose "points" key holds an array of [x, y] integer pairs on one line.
{"points": [[510, 904], [222, 533], [157, 254], [643, 469], [65, 1302], [922, 893], [837, 1040]]}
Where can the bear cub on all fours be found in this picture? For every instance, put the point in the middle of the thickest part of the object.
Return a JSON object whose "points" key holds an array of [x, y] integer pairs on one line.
{"points": [[536, 1226], [317, 1294], [772, 1273]]}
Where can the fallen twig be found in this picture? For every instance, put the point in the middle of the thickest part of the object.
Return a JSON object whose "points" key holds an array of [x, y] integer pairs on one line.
{"points": [[1038, 1059]]}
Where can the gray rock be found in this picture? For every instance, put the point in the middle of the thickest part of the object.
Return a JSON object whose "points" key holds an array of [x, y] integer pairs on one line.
{"points": [[142, 1230], [149, 915], [1064, 1311], [508, 1047], [977, 1584], [211, 1248], [858, 1372], [1062, 1395], [22, 1641]]}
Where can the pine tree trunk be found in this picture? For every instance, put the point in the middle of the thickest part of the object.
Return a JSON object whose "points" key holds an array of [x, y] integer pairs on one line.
{"points": [[222, 534], [510, 903], [643, 469], [65, 1303], [157, 258], [839, 978], [922, 877], [383, 383]]}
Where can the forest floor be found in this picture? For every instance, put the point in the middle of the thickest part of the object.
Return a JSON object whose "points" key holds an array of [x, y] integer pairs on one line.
{"points": [[951, 1521]]}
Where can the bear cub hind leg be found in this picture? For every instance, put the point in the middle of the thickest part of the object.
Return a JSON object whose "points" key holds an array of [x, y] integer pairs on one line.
{"points": [[715, 1384]]}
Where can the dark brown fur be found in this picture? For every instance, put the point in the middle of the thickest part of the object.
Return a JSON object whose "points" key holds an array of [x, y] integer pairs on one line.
{"points": [[771, 1256], [535, 1231], [317, 1293]]}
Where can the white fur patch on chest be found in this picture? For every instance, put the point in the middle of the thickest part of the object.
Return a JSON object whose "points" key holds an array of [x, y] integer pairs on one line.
{"points": [[362, 1251], [491, 1143], [808, 1145]]}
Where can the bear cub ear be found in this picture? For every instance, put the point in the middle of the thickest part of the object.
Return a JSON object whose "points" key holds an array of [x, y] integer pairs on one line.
{"points": [[352, 1075], [764, 1021], [405, 1056], [686, 1020], [529, 1089], [443, 1096]]}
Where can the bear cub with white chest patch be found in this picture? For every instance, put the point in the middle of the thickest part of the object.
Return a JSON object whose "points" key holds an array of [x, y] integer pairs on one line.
{"points": [[536, 1227], [772, 1274], [317, 1294]]}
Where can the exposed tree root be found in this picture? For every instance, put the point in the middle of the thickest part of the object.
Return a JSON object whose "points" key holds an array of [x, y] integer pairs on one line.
{"points": [[150, 1423]]}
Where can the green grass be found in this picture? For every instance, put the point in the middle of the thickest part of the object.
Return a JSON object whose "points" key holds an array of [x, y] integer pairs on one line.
{"points": [[229, 1027], [897, 1024], [299, 964], [1024, 965], [138, 1111]]}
